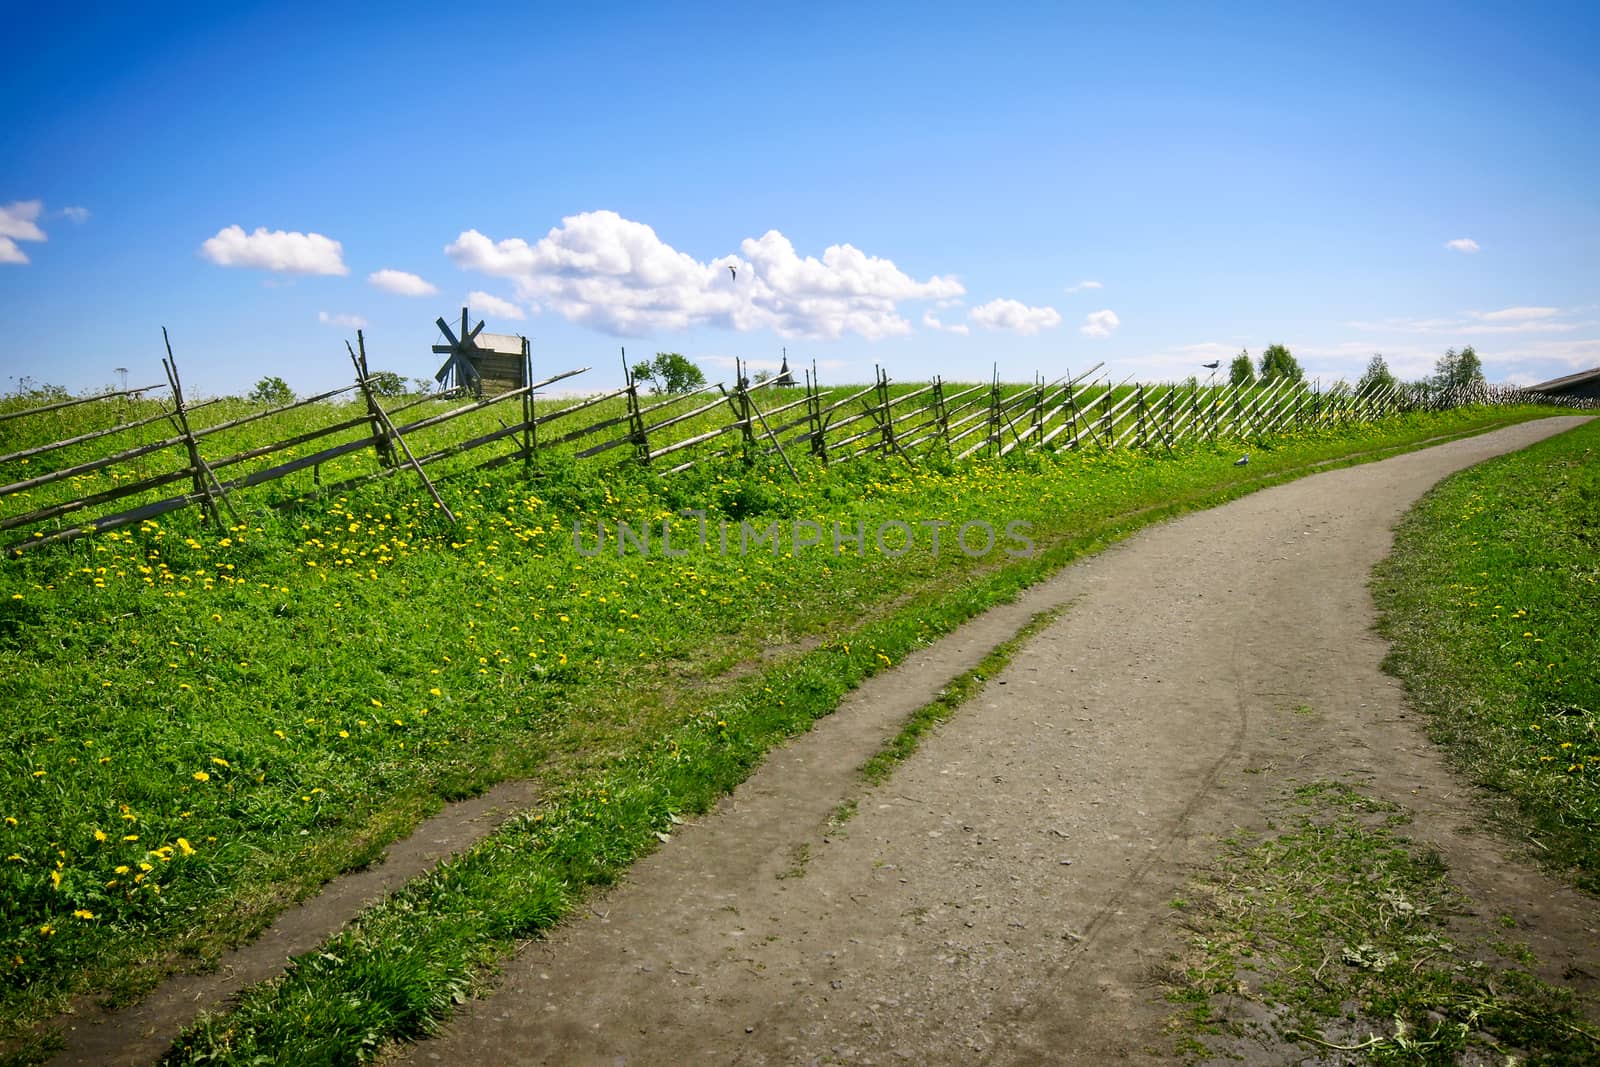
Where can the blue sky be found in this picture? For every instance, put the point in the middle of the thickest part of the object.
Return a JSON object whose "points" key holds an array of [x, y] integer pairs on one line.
{"points": [[932, 188]]}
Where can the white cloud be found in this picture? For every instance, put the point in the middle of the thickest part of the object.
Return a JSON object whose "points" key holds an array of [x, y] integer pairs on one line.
{"points": [[1514, 314], [18, 223], [931, 321], [1084, 285], [1463, 244], [1472, 324], [351, 322], [1006, 314], [489, 304], [76, 214], [611, 273], [402, 282], [278, 250], [1099, 323]]}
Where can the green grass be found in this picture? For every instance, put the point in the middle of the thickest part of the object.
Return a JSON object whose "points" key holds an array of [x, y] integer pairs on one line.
{"points": [[266, 706], [1491, 600], [1338, 934]]}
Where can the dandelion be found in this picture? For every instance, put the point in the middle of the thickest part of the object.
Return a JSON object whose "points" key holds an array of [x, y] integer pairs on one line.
{"points": [[55, 879], [100, 835], [83, 913], [377, 703], [184, 846], [201, 776], [219, 761]]}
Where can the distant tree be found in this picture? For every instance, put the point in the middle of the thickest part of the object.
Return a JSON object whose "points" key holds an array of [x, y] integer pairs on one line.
{"points": [[1457, 370], [1276, 362], [35, 391], [669, 372], [1376, 376], [423, 386], [1241, 371], [272, 391], [387, 384], [763, 376]]}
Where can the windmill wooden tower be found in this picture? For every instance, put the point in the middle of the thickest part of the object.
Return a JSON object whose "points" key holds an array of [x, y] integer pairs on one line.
{"points": [[482, 363]]}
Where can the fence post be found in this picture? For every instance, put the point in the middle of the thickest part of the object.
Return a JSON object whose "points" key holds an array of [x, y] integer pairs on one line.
{"points": [[380, 439], [529, 426], [819, 443], [994, 410], [941, 417], [889, 443], [641, 446], [202, 473], [742, 395]]}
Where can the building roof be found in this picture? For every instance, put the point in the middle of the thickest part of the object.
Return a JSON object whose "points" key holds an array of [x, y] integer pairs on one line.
{"points": [[1555, 385]]}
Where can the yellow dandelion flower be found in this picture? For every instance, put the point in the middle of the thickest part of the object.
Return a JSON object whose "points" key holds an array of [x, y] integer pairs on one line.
{"points": [[83, 913], [185, 847], [100, 835], [201, 776]]}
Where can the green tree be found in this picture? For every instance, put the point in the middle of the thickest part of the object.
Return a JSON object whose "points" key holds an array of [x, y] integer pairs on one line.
{"points": [[1457, 370], [272, 391], [1241, 371], [1276, 362], [669, 372], [387, 384], [1376, 376]]}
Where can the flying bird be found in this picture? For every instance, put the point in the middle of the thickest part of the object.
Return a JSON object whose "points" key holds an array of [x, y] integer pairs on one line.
{"points": [[1213, 365], [733, 272]]}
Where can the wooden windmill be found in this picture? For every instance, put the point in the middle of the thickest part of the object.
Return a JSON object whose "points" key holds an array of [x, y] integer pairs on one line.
{"points": [[480, 362], [458, 371]]}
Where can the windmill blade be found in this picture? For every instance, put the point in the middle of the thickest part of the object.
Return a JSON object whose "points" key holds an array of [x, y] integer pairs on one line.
{"points": [[472, 337], [448, 336]]}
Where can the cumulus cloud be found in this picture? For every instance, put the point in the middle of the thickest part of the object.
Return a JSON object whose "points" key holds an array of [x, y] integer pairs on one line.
{"points": [[288, 251], [1084, 285], [349, 322], [76, 213], [1006, 314], [1099, 323], [601, 270], [19, 222], [1463, 244], [490, 304], [931, 321], [402, 282]]}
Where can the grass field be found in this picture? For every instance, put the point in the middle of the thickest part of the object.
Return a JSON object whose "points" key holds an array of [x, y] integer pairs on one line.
{"points": [[1343, 934], [1492, 602], [208, 724]]}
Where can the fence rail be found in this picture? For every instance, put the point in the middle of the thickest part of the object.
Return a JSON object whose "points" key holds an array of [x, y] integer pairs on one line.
{"points": [[883, 419]]}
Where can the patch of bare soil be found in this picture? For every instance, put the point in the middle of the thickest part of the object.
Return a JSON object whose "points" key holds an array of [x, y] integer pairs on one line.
{"points": [[1002, 898]]}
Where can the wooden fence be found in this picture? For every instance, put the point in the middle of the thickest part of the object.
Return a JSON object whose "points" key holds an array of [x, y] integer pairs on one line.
{"points": [[671, 433]]}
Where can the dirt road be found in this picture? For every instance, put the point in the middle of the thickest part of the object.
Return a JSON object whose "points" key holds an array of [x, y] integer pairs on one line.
{"points": [[1002, 897]]}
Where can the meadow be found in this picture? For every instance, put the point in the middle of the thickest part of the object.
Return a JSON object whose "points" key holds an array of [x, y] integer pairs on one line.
{"points": [[207, 723], [1491, 600]]}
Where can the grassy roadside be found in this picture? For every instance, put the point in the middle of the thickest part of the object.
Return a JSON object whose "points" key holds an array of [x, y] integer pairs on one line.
{"points": [[1490, 600], [1336, 934], [618, 772]]}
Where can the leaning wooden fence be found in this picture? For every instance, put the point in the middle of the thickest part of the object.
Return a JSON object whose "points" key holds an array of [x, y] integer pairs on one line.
{"points": [[672, 433]]}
